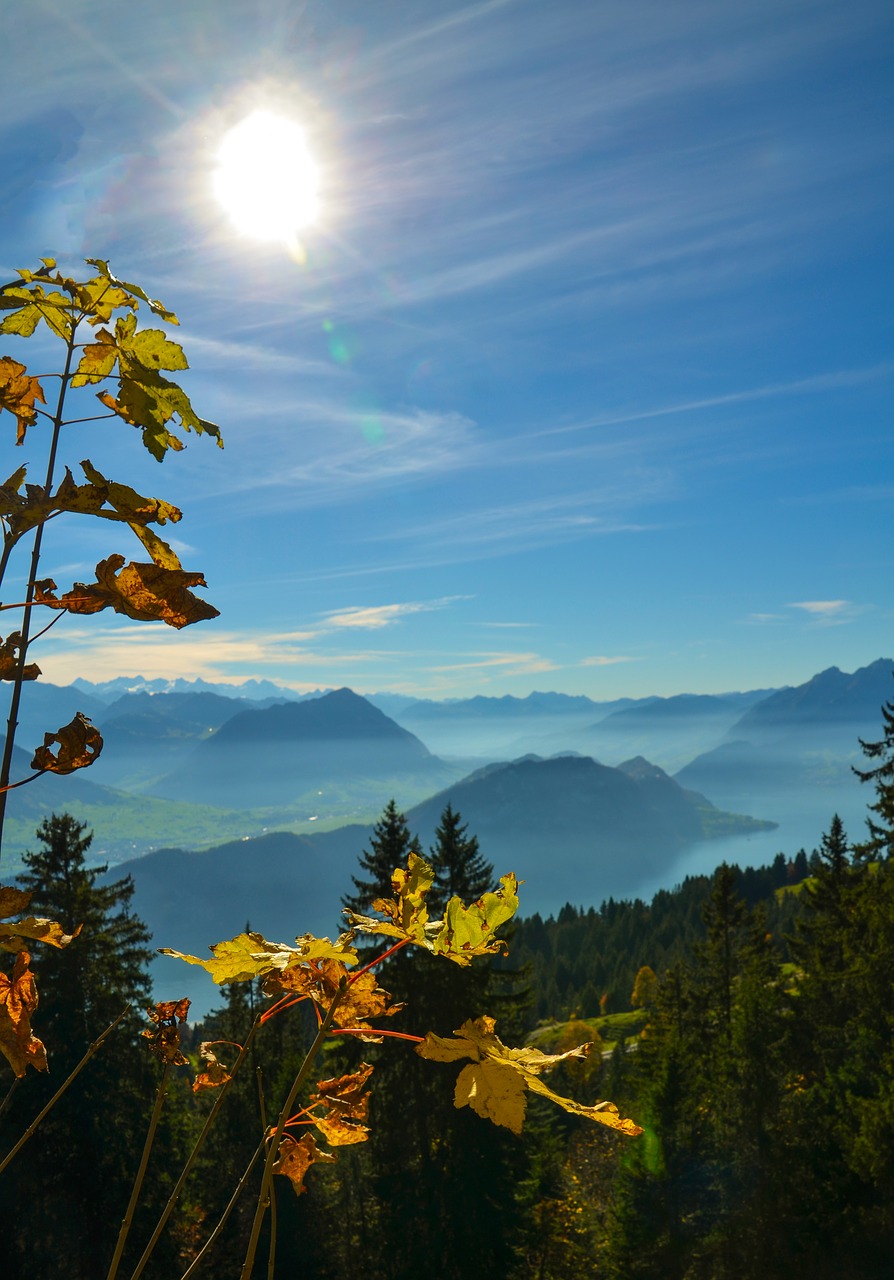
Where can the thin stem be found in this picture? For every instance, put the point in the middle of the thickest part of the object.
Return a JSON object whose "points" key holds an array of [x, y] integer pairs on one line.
{"points": [[271, 1258], [11, 786], [376, 1031], [240, 1187], [18, 681], [9, 1093], [280, 1006], [284, 1114], [378, 960], [97, 1044], [58, 618], [141, 1173], [194, 1154]]}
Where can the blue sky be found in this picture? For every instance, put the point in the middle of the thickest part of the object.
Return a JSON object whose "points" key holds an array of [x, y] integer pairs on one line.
{"points": [[585, 382]]}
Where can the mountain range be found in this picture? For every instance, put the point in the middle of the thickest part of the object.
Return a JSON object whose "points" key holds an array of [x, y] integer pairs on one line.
{"points": [[189, 761], [234, 804]]}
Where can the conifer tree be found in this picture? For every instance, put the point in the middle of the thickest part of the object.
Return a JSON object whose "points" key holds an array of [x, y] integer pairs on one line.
{"points": [[460, 869], [389, 846], [70, 1184], [880, 841]]}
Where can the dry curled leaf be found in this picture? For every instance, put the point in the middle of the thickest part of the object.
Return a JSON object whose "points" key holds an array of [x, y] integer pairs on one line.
{"points": [[214, 1073], [164, 1036], [146, 592], [79, 745], [10, 655], [346, 1103], [18, 1000], [320, 980], [296, 1157]]}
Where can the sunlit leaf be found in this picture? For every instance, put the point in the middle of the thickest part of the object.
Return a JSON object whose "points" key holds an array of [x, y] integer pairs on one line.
{"points": [[296, 1157], [19, 393], [494, 1084], [164, 1035], [35, 929], [18, 1000], [146, 592], [247, 956], [134, 289], [79, 745], [469, 931], [97, 361], [26, 307], [10, 650], [250, 955], [465, 932]]}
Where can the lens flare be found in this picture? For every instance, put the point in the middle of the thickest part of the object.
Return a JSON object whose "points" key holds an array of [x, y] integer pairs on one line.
{"points": [[266, 178]]}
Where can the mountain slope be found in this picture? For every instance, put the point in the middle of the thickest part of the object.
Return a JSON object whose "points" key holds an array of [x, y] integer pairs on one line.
{"points": [[276, 755]]}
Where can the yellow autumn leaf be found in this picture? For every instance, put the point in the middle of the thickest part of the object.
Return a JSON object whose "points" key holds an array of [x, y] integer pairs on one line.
{"points": [[494, 1084], [296, 1157], [250, 955], [469, 931], [465, 932], [18, 1000], [19, 393], [36, 929]]}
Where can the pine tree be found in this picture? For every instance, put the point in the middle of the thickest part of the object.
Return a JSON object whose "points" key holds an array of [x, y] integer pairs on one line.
{"points": [[460, 869], [880, 842], [428, 1164], [390, 845], [66, 1193]]}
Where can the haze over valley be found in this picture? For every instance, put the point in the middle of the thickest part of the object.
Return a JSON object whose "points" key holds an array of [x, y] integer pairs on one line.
{"points": [[253, 803]]}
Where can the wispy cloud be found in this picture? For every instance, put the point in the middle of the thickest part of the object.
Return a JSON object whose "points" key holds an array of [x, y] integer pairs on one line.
{"points": [[800, 386], [374, 617], [515, 663], [828, 612], [601, 661]]}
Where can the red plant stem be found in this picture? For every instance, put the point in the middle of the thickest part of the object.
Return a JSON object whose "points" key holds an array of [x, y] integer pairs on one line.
{"points": [[375, 1031], [378, 960], [281, 1004]]}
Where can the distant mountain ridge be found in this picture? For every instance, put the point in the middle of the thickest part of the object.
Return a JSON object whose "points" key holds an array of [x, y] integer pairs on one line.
{"points": [[273, 755]]}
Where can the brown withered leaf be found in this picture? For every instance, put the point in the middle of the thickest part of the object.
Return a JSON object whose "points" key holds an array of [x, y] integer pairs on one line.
{"points": [[296, 1157], [10, 649], [79, 745], [146, 592], [18, 1000], [214, 1073], [19, 393], [164, 1036], [346, 1102], [12, 901], [320, 980]]}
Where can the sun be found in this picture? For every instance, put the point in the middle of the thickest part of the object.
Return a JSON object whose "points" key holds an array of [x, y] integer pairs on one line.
{"points": [[266, 178]]}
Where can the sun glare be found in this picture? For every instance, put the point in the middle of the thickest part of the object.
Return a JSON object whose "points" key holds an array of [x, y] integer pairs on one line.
{"points": [[266, 178]]}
